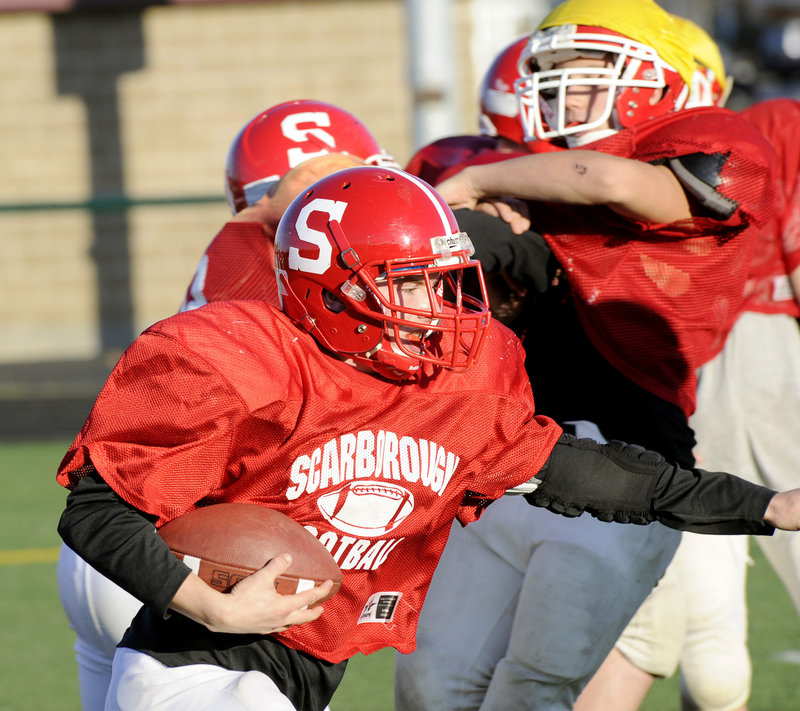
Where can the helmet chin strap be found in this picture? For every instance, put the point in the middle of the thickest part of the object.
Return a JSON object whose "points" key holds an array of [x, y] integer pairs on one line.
{"points": [[397, 366], [385, 362], [393, 363]]}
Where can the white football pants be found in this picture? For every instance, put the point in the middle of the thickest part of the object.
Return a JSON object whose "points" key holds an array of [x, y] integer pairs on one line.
{"points": [[99, 612], [748, 407], [141, 683]]}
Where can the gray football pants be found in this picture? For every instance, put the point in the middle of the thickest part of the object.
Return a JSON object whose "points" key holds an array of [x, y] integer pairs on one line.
{"points": [[524, 607]]}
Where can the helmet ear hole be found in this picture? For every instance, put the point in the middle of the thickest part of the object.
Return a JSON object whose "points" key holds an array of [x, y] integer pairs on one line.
{"points": [[332, 302]]}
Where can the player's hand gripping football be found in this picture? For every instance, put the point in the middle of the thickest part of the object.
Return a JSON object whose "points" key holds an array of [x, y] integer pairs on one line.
{"points": [[253, 606], [784, 510]]}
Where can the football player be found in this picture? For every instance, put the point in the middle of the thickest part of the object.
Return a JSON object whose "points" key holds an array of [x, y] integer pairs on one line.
{"points": [[237, 263], [274, 156], [500, 137], [382, 368], [654, 199], [697, 615]]}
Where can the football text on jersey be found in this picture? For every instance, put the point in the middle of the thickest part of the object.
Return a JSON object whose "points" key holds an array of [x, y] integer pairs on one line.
{"points": [[361, 481], [367, 455]]}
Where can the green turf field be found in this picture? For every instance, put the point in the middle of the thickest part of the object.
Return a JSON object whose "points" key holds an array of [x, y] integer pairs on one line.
{"points": [[38, 668]]}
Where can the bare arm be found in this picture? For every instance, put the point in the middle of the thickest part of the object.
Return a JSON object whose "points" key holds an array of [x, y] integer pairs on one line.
{"points": [[631, 188]]}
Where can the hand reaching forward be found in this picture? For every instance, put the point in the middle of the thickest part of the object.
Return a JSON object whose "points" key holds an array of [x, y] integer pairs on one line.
{"points": [[514, 212], [253, 606], [783, 510], [459, 192]]}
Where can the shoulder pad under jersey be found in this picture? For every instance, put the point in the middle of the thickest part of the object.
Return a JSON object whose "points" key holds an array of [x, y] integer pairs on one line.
{"points": [[699, 173]]}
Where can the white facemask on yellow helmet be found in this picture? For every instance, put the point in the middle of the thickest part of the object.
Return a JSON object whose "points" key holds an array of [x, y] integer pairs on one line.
{"points": [[640, 85]]}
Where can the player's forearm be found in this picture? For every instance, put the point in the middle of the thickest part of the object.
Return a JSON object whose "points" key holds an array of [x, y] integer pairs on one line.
{"points": [[199, 602], [259, 213], [552, 177], [120, 542], [624, 483], [632, 188]]}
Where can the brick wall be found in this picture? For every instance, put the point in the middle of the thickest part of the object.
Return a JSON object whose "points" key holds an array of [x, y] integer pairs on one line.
{"points": [[142, 104]]}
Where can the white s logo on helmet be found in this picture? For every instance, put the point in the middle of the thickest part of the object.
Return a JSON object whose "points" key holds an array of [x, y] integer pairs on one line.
{"points": [[290, 129], [321, 263]]}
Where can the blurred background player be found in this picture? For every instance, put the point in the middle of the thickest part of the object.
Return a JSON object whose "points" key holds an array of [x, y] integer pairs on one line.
{"points": [[696, 619], [637, 309], [274, 157], [238, 262], [500, 133], [698, 609], [499, 137]]}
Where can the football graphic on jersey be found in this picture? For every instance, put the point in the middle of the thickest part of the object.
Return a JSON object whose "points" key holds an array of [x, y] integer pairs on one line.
{"points": [[225, 543], [369, 508]]}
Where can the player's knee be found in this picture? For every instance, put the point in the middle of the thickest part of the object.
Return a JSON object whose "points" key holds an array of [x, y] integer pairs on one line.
{"points": [[523, 686], [92, 659], [723, 685], [543, 685], [424, 680]]}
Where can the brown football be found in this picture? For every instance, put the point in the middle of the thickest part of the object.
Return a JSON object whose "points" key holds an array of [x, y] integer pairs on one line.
{"points": [[224, 543]]}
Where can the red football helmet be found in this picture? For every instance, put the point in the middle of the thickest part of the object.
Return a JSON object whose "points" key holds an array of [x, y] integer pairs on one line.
{"points": [[640, 84], [282, 137], [710, 84], [347, 247], [499, 110]]}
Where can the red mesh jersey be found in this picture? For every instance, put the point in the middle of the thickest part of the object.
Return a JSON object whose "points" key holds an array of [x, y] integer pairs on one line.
{"points": [[447, 156], [233, 403], [238, 264], [769, 289], [658, 300]]}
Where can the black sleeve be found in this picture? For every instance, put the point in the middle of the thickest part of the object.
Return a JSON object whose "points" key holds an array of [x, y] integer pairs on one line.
{"points": [[121, 542], [629, 484], [526, 258]]}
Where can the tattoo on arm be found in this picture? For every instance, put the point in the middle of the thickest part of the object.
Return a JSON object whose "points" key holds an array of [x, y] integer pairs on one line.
{"points": [[581, 168]]}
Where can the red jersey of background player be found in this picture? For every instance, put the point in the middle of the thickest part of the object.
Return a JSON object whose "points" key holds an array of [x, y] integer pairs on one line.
{"points": [[377, 472], [658, 300], [447, 156], [769, 290], [238, 264]]}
